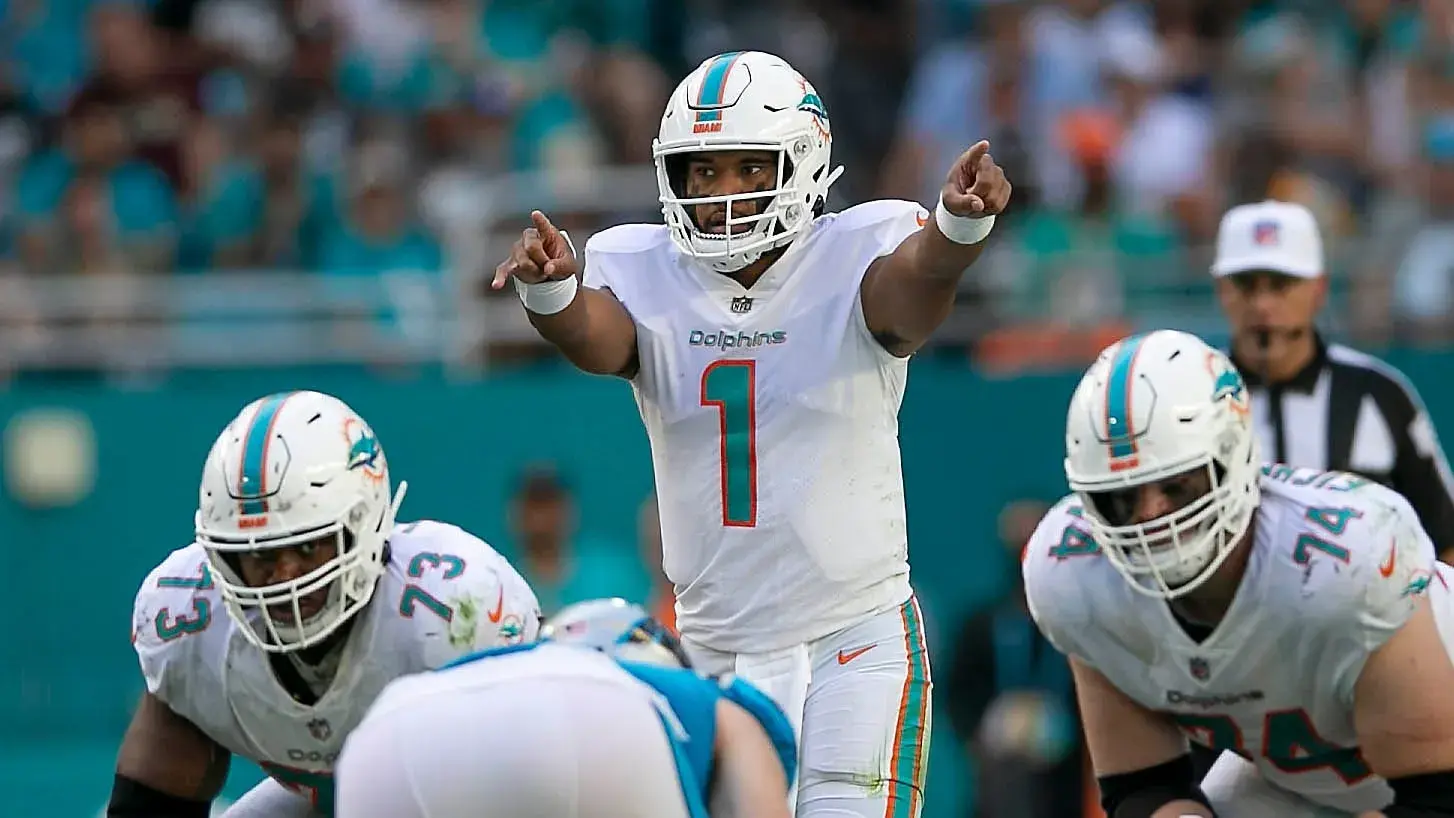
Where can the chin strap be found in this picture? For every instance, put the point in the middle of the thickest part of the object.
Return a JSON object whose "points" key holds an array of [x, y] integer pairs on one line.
{"points": [[832, 177]]}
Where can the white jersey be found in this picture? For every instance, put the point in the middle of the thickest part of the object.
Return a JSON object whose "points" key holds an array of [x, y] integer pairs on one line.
{"points": [[1336, 567], [444, 593], [773, 420]]}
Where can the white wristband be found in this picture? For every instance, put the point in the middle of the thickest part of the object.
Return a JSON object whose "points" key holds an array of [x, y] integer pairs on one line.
{"points": [[962, 229], [547, 297]]}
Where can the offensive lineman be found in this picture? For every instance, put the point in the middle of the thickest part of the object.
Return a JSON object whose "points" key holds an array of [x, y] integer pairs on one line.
{"points": [[767, 343], [1289, 616], [602, 718], [327, 600]]}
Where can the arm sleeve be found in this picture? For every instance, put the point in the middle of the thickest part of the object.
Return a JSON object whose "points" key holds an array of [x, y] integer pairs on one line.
{"points": [[1421, 471]]}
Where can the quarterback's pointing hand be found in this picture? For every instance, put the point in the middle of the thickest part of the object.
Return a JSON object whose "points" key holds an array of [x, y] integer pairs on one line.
{"points": [[976, 185], [543, 253]]}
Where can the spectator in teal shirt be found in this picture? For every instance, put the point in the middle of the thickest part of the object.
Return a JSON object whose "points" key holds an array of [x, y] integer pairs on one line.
{"points": [[43, 50], [222, 205], [87, 206], [380, 232], [562, 567], [499, 60]]}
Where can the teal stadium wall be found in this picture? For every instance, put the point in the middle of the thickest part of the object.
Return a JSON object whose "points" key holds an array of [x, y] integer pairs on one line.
{"points": [[68, 679]]}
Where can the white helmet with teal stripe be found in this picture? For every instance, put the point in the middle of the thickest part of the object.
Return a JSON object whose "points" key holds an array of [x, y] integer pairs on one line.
{"points": [[745, 100], [1163, 411], [296, 470]]}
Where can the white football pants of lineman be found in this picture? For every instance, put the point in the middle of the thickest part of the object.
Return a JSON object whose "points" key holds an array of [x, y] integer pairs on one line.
{"points": [[269, 799], [522, 748], [1237, 790], [858, 700]]}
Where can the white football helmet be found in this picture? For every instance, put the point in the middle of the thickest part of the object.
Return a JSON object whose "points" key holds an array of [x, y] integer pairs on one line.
{"points": [[616, 627], [289, 469], [745, 100], [1152, 407]]}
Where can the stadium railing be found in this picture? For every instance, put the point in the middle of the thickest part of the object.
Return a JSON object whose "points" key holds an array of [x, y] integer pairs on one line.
{"points": [[269, 317]]}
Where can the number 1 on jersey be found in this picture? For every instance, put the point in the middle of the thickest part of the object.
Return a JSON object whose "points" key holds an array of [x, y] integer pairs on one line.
{"points": [[730, 386]]}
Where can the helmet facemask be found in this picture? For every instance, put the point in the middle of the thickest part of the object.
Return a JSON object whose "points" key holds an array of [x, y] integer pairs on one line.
{"points": [[1176, 553], [781, 212], [273, 616]]}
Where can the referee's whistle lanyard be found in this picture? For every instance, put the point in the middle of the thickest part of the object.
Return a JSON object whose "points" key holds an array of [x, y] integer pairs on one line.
{"points": [[1023, 659]]}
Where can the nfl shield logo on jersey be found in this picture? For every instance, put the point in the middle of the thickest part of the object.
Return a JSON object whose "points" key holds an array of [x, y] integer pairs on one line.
{"points": [[741, 305], [320, 729], [1200, 670]]}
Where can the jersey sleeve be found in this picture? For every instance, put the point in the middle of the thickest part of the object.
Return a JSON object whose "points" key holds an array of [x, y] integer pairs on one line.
{"points": [[1054, 572], [875, 229], [462, 594], [901, 219], [688, 704], [1390, 563], [866, 233], [609, 255], [595, 274], [175, 605]]}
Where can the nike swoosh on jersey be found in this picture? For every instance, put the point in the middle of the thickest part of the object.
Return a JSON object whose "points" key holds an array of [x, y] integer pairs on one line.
{"points": [[499, 608], [1386, 568], [846, 656]]}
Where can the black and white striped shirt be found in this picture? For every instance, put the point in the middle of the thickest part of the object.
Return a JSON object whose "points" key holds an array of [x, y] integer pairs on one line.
{"points": [[1349, 411]]}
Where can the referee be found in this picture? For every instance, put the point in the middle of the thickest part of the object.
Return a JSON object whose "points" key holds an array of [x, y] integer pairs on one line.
{"points": [[1316, 404]]}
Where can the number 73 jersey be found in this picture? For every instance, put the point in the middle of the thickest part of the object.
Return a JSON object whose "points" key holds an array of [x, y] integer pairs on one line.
{"points": [[1336, 567], [444, 593], [773, 419]]}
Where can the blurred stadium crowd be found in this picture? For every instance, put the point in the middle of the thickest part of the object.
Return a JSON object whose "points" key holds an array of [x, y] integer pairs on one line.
{"points": [[354, 139]]}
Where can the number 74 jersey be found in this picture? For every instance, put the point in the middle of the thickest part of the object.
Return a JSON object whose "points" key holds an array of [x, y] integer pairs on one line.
{"points": [[773, 419], [1336, 567], [444, 593]]}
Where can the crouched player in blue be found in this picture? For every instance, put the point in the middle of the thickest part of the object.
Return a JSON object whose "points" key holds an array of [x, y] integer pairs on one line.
{"points": [[601, 718]]}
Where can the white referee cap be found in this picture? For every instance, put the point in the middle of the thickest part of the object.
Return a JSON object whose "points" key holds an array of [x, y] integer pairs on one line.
{"points": [[1275, 237]]}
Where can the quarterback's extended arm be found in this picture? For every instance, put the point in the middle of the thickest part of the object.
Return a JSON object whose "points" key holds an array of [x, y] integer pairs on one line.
{"points": [[1140, 757], [589, 326], [908, 293], [167, 768], [1403, 709]]}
